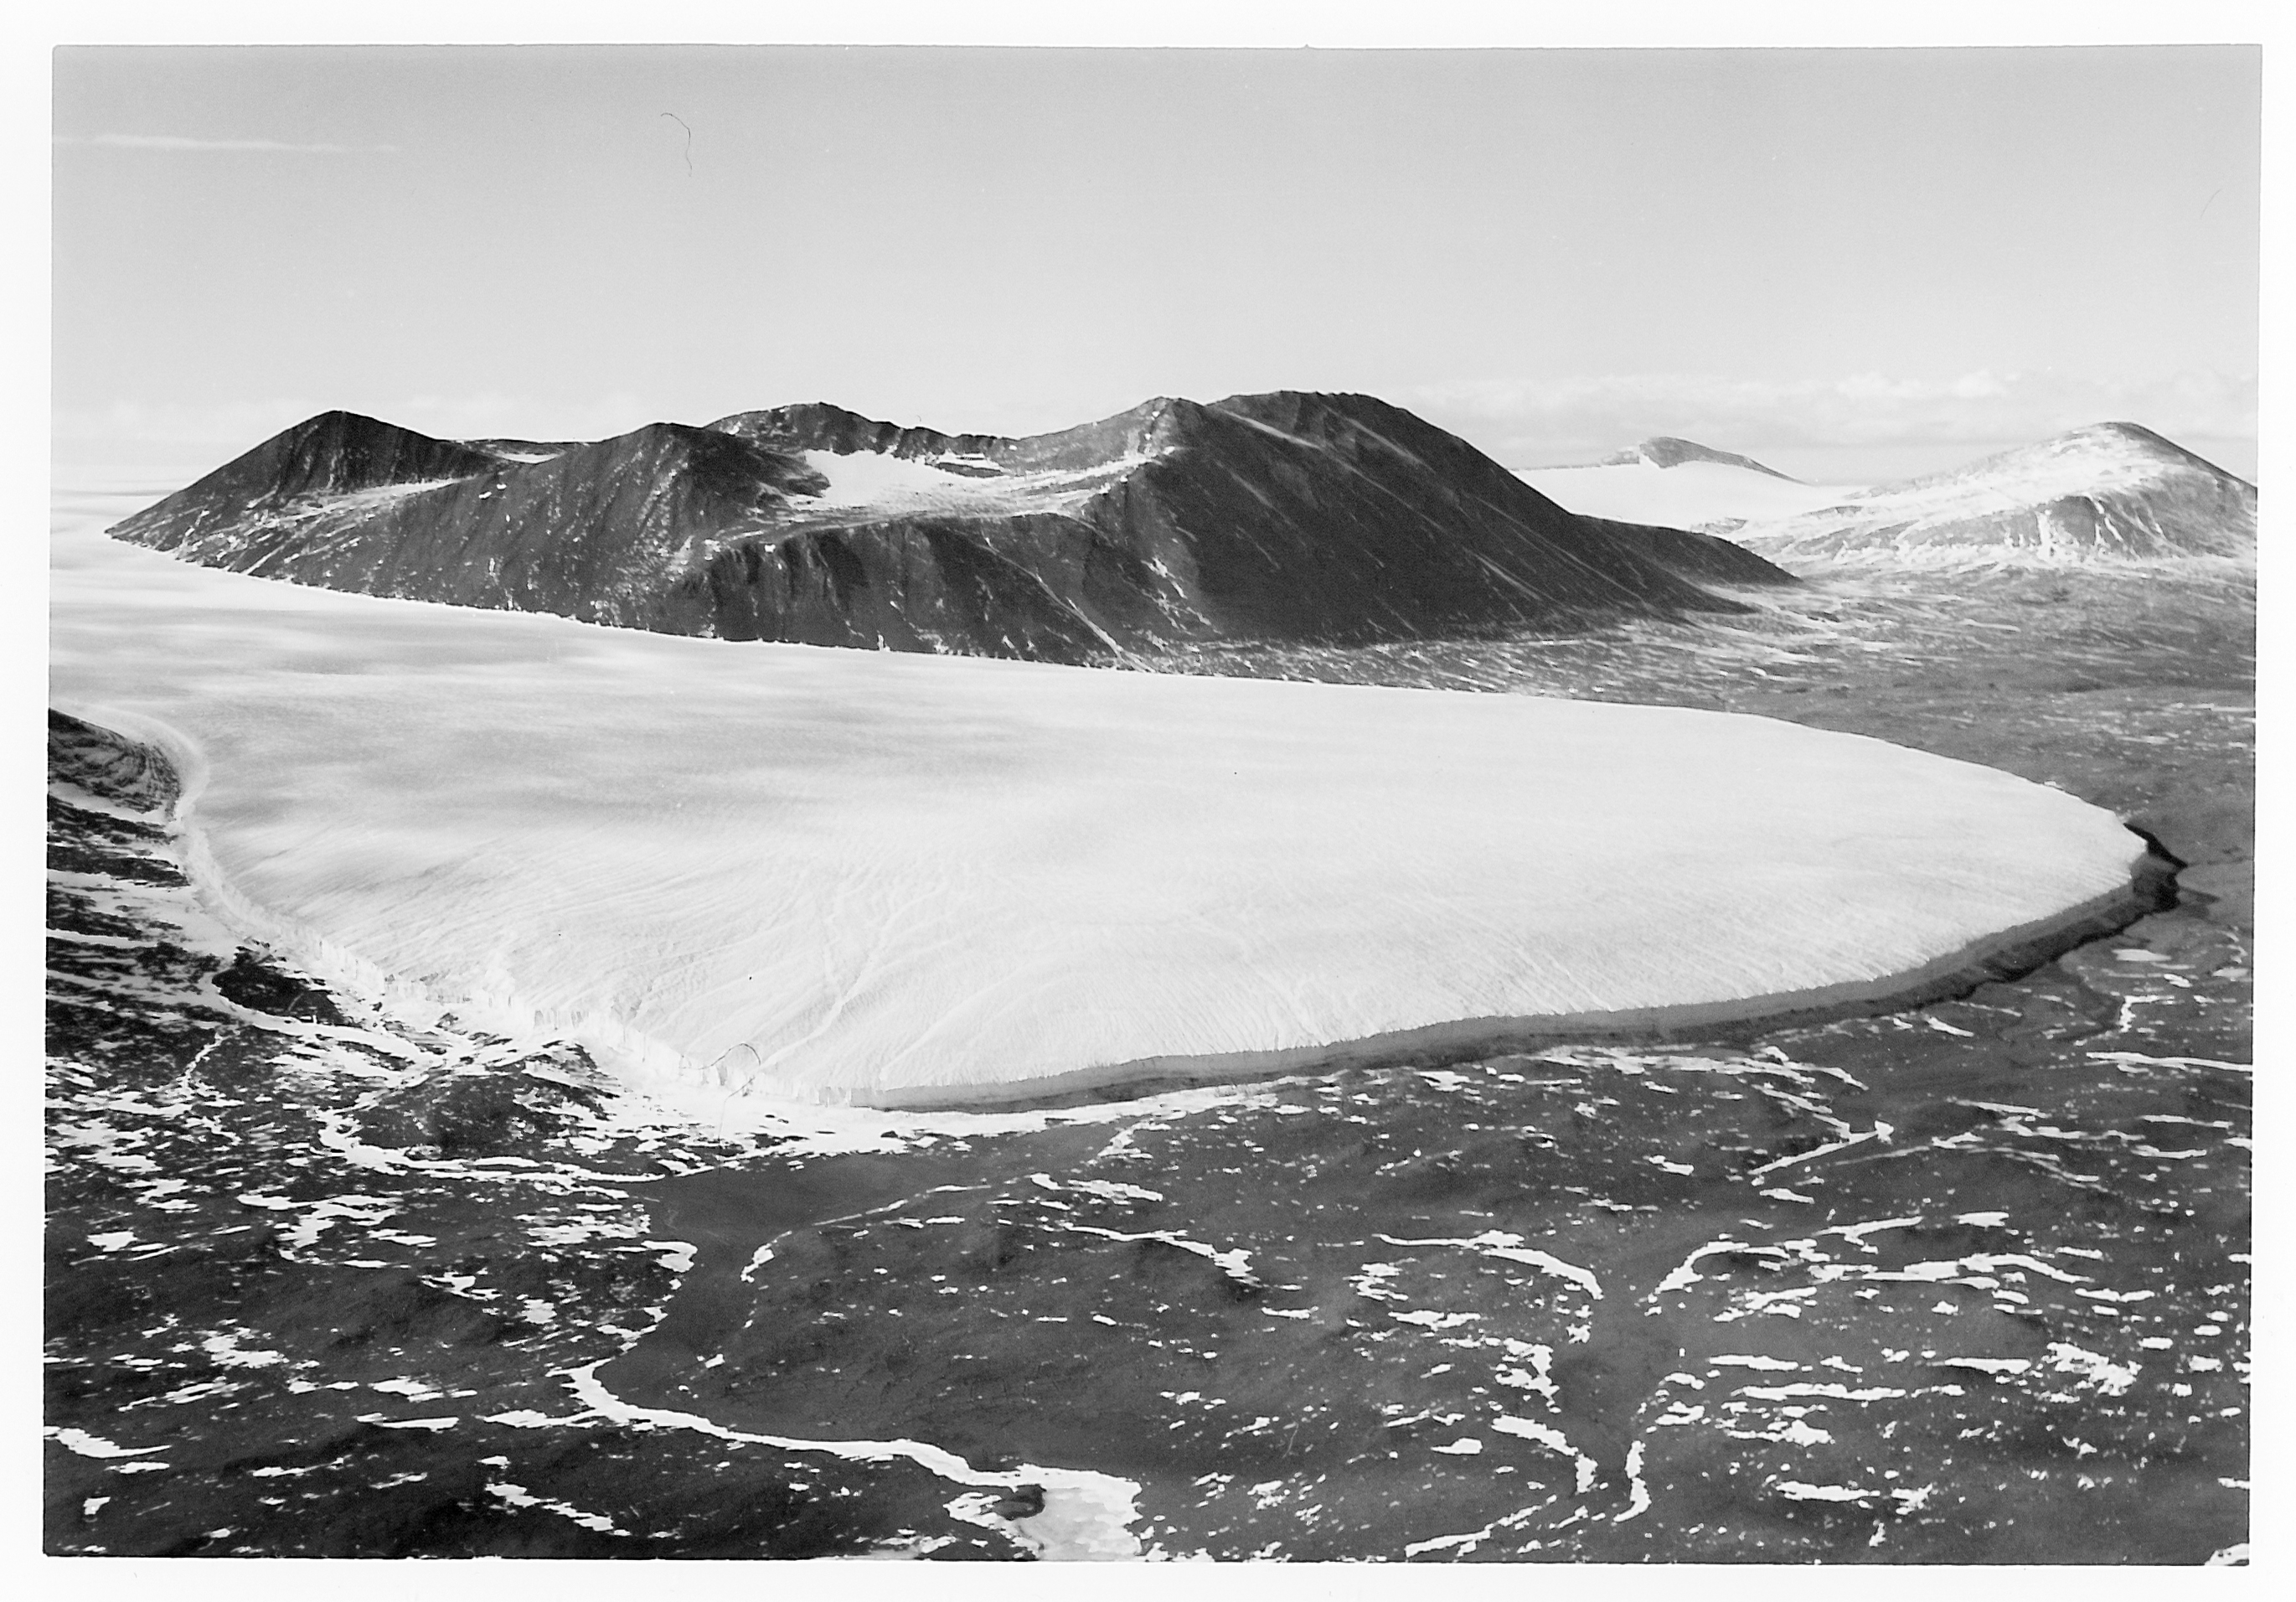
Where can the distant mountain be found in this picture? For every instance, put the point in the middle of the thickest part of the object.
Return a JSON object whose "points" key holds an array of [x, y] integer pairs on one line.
{"points": [[1284, 516], [1664, 450], [2110, 492], [1680, 483]]}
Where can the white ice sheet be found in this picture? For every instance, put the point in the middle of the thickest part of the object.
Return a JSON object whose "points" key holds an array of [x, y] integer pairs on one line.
{"points": [[1689, 495], [815, 873]]}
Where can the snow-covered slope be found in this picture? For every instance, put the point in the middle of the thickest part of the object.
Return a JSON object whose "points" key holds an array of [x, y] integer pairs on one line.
{"points": [[1680, 484], [2107, 493], [810, 872]]}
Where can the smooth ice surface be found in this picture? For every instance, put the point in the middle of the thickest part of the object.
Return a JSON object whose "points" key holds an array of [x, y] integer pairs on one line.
{"points": [[1689, 495], [815, 873]]}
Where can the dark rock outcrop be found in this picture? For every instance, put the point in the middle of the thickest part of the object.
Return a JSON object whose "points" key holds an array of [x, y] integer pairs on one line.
{"points": [[319, 461], [1707, 558], [596, 532], [817, 425], [110, 765], [1287, 516]]}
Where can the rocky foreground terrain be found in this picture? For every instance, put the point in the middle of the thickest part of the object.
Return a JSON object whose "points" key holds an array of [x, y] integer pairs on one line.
{"points": [[1282, 517], [1962, 1284]]}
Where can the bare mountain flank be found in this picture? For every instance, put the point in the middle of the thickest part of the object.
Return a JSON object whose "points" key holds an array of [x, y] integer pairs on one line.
{"points": [[1285, 516]]}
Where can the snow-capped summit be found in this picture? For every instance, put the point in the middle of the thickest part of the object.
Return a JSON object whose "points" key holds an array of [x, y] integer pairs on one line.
{"points": [[2108, 492]]}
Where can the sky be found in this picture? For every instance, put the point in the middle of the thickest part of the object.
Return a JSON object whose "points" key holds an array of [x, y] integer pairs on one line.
{"points": [[1850, 264]]}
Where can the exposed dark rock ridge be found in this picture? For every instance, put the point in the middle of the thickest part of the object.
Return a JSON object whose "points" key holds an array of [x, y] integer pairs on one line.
{"points": [[110, 765], [2111, 491], [1664, 450], [1707, 558], [1284, 516], [920, 584], [593, 532], [320, 460], [525, 450], [817, 425]]}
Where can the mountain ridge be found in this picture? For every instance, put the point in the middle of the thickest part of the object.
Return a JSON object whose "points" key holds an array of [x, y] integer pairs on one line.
{"points": [[2105, 492], [1286, 515]]}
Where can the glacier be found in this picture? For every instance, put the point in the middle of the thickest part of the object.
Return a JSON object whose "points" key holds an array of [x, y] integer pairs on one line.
{"points": [[1710, 496], [744, 874]]}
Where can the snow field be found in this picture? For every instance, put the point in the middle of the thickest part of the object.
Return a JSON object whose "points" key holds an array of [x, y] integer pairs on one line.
{"points": [[1689, 495], [865, 480], [742, 871]]}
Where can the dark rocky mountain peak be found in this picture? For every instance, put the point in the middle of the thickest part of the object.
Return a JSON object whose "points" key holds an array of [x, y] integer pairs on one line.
{"points": [[332, 455], [1280, 516]]}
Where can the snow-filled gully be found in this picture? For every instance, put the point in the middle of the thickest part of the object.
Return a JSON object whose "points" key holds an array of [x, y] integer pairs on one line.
{"points": [[1086, 1515]]}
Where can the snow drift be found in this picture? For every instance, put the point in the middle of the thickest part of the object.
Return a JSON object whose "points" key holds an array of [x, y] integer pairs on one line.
{"points": [[792, 872]]}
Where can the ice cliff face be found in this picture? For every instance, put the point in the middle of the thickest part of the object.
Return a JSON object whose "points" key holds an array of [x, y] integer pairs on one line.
{"points": [[2110, 492], [1284, 516]]}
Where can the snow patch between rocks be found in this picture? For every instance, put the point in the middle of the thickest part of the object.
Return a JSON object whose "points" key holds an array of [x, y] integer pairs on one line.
{"points": [[1087, 1515]]}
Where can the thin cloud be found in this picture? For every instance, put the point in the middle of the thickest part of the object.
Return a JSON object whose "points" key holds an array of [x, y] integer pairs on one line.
{"points": [[184, 142]]}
